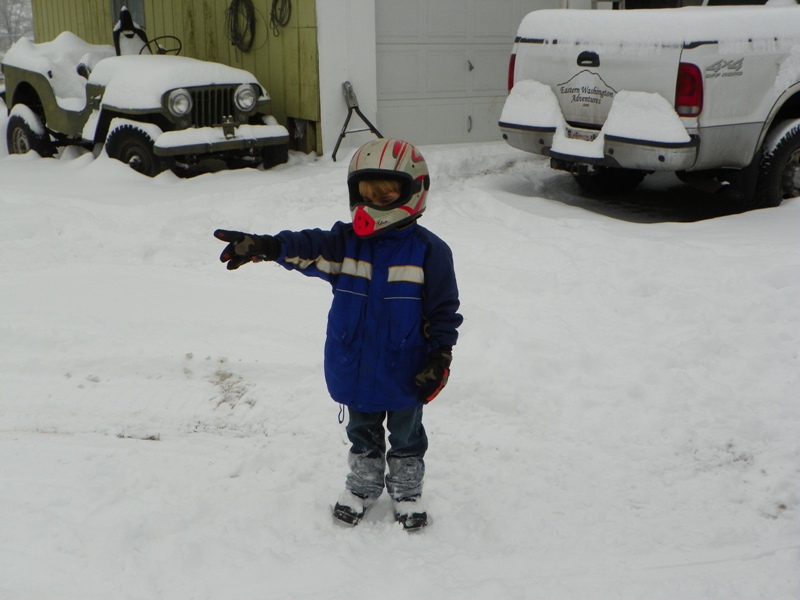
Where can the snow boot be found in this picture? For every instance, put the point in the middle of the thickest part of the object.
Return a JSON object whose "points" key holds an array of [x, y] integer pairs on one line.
{"points": [[411, 514], [350, 508]]}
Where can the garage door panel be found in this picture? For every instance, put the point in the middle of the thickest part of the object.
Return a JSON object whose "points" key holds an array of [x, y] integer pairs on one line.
{"points": [[406, 121], [398, 19], [441, 121], [495, 18], [490, 73], [422, 121], [447, 19], [399, 71], [446, 122], [485, 115], [447, 71]]}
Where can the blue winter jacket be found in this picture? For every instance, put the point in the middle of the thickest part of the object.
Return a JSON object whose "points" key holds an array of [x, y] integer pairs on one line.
{"points": [[394, 299]]}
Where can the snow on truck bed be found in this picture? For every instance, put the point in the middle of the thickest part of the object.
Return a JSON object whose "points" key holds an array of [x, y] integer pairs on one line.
{"points": [[647, 27]]}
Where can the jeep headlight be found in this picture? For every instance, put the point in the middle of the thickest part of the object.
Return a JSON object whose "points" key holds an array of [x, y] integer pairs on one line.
{"points": [[179, 103], [245, 97]]}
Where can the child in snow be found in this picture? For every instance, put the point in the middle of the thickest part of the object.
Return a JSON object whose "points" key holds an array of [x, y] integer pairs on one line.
{"points": [[392, 324]]}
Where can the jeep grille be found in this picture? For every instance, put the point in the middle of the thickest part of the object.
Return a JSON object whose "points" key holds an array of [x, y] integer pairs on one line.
{"points": [[211, 105]]}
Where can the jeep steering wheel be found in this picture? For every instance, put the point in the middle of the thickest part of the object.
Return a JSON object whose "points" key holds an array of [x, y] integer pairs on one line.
{"points": [[155, 48]]}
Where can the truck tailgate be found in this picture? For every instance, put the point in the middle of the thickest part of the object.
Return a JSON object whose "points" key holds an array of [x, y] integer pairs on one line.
{"points": [[585, 77], [587, 67]]}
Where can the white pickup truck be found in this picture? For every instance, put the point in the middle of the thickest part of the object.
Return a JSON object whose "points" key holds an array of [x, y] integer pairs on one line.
{"points": [[710, 93]]}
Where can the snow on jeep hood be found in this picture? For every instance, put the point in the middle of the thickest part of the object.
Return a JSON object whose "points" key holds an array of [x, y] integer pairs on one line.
{"points": [[138, 82]]}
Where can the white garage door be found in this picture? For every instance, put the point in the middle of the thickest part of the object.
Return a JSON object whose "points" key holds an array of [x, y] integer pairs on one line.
{"points": [[443, 66]]}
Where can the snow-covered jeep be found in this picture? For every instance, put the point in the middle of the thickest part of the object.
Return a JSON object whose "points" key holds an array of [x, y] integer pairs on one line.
{"points": [[151, 111]]}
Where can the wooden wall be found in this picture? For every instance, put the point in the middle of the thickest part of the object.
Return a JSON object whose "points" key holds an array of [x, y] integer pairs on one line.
{"points": [[287, 64], [88, 19]]}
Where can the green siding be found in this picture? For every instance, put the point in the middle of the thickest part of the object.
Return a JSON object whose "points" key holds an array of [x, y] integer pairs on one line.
{"points": [[286, 64], [88, 19]]}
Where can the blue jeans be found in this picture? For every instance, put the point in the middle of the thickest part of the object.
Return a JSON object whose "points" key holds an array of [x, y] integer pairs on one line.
{"points": [[368, 457]]}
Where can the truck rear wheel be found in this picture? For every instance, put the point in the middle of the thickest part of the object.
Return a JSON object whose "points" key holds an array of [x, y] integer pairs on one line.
{"points": [[607, 181], [779, 172], [22, 138], [134, 147]]}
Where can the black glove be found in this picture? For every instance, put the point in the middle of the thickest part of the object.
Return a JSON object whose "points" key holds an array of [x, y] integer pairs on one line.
{"points": [[245, 247], [433, 376]]}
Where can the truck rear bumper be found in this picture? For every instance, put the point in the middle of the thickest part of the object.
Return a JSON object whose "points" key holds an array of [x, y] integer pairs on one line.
{"points": [[209, 140], [604, 150]]}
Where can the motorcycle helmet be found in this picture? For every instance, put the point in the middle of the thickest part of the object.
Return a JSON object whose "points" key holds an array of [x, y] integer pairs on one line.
{"points": [[392, 160]]}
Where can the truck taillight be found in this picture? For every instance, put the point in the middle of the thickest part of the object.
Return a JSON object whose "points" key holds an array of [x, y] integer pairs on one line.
{"points": [[689, 90], [511, 63]]}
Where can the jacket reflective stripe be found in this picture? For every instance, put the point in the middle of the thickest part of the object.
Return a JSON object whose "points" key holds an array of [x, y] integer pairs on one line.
{"points": [[407, 273], [356, 268], [323, 265]]}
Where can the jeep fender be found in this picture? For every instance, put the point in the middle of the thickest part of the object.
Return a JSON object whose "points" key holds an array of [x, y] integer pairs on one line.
{"points": [[25, 94]]}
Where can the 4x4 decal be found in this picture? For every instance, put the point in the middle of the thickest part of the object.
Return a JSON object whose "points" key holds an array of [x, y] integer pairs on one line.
{"points": [[725, 68]]}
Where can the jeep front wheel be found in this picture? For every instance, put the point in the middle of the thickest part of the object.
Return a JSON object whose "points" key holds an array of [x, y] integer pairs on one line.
{"points": [[22, 136], [134, 147]]}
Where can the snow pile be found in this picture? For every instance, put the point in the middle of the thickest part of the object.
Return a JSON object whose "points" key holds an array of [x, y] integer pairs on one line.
{"points": [[621, 421], [644, 116], [532, 104]]}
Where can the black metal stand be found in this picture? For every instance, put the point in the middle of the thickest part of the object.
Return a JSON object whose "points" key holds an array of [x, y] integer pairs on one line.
{"points": [[352, 105]]}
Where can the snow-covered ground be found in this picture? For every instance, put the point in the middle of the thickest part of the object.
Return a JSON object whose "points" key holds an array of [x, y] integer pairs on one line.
{"points": [[621, 422]]}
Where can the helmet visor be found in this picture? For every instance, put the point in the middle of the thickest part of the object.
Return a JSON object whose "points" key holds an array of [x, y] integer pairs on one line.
{"points": [[389, 191]]}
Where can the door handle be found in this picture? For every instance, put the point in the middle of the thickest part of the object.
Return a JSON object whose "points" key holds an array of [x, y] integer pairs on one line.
{"points": [[471, 66]]}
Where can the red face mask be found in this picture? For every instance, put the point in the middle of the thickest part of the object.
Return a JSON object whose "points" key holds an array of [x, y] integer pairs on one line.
{"points": [[363, 223]]}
